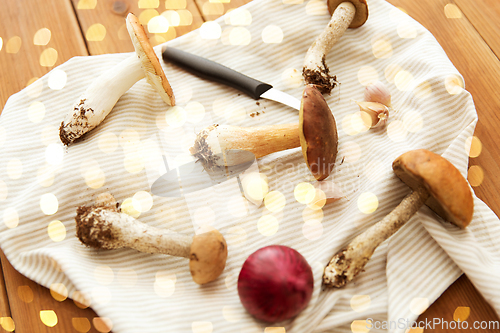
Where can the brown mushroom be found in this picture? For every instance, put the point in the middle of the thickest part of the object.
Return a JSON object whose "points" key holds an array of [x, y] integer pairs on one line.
{"points": [[102, 227], [435, 182], [345, 13], [316, 133]]}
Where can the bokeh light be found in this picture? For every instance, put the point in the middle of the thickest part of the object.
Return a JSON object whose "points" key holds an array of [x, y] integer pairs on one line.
{"points": [[473, 146], [42, 37], [413, 121], [454, 84], [367, 75], [452, 11], [268, 225], [396, 131], [275, 201], [312, 230], [14, 168], [86, 4], [7, 324], [390, 72], [36, 112], [173, 17], [461, 313], [301, 192], [423, 90], [25, 293], [360, 303], [146, 15], [407, 30], [59, 292], [202, 327], [210, 30], [292, 78], [107, 142], [104, 275], [176, 117], [359, 326], [316, 8], [352, 152], [149, 3], [240, 36], [158, 25], [13, 45], [128, 208], [81, 324], [142, 201], [56, 231], [404, 80], [164, 285], [272, 34], [175, 4], [236, 236], [48, 318], [49, 204], [102, 324], [382, 48], [54, 154], [475, 176], [57, 79], [418, 305], [367, 203], [239, 17], [96, 33]]}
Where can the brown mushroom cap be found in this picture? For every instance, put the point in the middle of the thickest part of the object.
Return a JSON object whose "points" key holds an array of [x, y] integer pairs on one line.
{"points": [[361, 11], [450, 195], [317, 132], [149, 61], [208, 255]]}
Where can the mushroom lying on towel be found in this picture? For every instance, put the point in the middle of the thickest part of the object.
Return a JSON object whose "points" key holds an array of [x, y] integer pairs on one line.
{"points": [[345, 13], [316, 133], [101, 96], [102, 227], [435, 182]]}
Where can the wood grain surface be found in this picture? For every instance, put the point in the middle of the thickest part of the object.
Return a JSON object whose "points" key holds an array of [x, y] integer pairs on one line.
{"points": [[466, 29]]}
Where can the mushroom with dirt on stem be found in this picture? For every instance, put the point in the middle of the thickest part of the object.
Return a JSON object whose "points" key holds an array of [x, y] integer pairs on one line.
{"points": [[104, 92], [345, 13], [105, 227], [316, 133], [436, 182]]}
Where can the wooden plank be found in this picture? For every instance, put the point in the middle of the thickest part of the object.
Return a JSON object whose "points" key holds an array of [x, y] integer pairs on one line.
{"points": [[19, 56], [30, 302], [4, 299], [484, 14], [480, 67], [463, 302], [104, 27]]}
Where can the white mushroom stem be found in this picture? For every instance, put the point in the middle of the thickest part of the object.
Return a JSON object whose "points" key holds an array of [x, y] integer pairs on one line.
{"points": [[103, 228], [260, 141], [315, 70], [100, 98], [347, 263]]}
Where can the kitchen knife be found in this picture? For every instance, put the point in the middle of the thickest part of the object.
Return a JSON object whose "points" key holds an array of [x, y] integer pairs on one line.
{"points": [[193, 177], [211, 70]]}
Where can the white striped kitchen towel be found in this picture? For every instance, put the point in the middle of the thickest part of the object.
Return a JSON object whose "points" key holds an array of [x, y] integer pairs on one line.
{"points": [[42, 183]]}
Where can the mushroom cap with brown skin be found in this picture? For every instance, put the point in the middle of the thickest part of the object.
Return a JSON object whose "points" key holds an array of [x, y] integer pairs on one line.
{"points": [[450, 194], [318, 133], [149, 61], [361, 11], [207, 257]]}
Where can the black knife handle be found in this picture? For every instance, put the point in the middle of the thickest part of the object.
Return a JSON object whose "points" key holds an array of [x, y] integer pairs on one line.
{"points": [[213, 71]]}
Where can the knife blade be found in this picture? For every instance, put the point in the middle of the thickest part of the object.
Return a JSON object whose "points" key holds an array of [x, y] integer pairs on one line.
{"points": [[193, 177], [214, 71]]}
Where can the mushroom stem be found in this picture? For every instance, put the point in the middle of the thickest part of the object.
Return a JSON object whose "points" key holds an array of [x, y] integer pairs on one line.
{"points": [[260, 141], [102, 228], [347, 263], [99, 99], [315, 70]]}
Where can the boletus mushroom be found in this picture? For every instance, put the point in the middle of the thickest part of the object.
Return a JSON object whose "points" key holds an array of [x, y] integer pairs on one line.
{"points": [[345, 13], [435, 182], [316, 133], [101, 96], [102, 227]]}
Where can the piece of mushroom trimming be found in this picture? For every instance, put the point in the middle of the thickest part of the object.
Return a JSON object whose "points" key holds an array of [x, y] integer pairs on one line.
{"points": [[316, 133], [105, 227], [345, 13], [435, 182], [103, 93]]}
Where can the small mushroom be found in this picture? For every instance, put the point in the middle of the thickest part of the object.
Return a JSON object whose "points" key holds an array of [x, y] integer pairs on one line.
{"points": [[435, 182], [316, 133], [101, 96], [345, 13], [102, 227]]}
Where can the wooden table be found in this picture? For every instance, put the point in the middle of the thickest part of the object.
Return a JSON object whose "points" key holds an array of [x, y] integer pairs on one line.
{"points": [[466, 29]]}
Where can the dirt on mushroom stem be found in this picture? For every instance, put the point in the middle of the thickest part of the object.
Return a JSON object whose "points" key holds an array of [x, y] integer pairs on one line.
{"points": [[320, 77]]}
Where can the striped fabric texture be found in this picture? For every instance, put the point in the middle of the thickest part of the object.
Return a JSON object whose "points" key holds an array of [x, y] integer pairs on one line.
{"points": [[42, 183]]}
